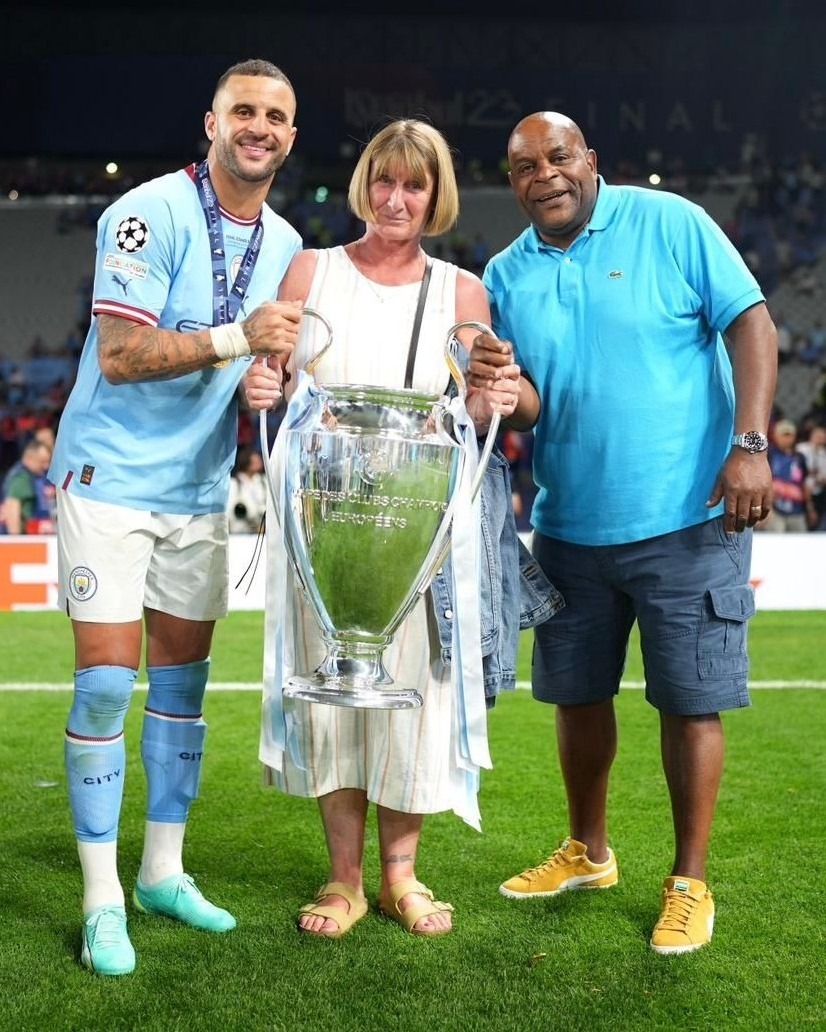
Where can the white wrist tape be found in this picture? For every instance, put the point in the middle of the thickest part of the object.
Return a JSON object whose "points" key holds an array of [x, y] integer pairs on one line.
{"points": [[229, 341]]}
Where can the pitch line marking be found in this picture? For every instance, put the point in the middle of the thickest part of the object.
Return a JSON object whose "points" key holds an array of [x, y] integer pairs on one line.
{"points": [[255, 686]]}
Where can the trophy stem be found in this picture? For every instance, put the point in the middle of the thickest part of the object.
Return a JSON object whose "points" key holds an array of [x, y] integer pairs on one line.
{"points": [[352, 674]]}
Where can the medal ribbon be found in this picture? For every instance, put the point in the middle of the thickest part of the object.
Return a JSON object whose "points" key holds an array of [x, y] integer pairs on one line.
{"points": [[225, 303]]}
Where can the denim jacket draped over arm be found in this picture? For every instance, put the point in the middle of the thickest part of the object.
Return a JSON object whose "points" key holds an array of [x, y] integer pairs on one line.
{"points": [[514, 592]]}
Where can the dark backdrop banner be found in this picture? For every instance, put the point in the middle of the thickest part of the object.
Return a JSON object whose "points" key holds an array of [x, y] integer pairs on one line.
{"points": [[138, 85]]}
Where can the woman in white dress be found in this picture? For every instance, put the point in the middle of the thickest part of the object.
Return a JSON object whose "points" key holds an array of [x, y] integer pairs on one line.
{"points": [[403, 188]]}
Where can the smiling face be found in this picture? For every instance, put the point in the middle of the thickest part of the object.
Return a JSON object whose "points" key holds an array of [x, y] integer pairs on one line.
{"points": [[554, 175], [251, 126]]}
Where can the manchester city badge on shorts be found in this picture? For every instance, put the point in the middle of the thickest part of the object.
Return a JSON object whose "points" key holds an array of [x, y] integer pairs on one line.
{"points": [[82, 583]]}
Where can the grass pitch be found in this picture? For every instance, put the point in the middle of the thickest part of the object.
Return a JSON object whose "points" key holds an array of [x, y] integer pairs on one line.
{"points": [[580, 961]]}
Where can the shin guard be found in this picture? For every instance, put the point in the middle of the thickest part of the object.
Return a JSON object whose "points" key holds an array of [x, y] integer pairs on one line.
{"points": [[172, 744], [94, 752]]}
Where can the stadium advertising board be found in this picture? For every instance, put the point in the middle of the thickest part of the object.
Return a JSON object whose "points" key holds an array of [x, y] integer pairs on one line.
{"points": [[787, 572]]}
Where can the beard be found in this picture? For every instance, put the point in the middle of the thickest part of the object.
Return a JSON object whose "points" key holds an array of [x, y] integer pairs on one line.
{"points": [[228, 158]]}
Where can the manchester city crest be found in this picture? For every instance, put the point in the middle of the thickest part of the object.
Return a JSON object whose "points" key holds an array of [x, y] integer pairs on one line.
{"points": [[82, 583]]}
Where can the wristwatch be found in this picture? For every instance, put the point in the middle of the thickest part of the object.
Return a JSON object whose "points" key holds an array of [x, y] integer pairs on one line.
{"points": [[752, 440]]}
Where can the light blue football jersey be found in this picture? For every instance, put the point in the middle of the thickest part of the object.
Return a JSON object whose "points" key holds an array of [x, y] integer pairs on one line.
{"points": [[163, 445]]}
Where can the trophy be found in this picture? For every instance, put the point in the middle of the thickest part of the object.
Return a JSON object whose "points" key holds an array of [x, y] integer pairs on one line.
{"points": [[364, 490]]}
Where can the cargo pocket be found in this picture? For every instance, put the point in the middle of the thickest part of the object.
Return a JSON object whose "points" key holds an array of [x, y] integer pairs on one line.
{"points": [[539, 600], [721, 647]]}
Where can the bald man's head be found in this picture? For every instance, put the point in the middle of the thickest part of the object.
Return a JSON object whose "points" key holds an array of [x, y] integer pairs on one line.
{"points": [[553, 173], [549, 119]]}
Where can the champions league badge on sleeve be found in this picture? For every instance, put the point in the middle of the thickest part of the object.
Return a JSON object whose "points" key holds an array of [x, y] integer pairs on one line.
{"points": [[132, 234], [82, 583]]}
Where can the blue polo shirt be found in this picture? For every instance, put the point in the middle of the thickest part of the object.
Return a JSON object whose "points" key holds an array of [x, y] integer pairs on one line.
{"points": [[621, 334]]}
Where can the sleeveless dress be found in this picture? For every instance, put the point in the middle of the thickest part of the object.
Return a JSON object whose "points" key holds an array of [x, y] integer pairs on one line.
{"points": [[405, 760]]}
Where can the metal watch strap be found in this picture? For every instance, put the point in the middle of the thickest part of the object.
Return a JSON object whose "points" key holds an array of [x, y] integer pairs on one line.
{"points": [[753, 441]]}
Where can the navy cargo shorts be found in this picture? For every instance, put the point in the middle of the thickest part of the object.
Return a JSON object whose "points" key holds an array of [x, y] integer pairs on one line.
{"points": [[688, 591]]}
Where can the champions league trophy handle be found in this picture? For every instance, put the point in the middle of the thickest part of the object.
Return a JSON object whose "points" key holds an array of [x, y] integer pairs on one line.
{"points": [[262, 416], [461, 383], [325, 347], [490, 440]]}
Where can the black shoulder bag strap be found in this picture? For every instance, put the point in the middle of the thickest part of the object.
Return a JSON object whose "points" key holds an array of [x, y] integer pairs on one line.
{"points": [[417, 324]]}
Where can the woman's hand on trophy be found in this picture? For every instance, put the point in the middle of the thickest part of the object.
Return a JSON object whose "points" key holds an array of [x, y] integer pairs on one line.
{"points": [[263, 386], [502, 397]]}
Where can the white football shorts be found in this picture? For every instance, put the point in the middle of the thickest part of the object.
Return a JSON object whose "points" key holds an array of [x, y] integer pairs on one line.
{"points": [[113, 561]]}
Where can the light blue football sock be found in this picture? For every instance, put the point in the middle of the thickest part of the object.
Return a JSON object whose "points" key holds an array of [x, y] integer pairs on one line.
{"points": [[94, 752], [172, 743]]}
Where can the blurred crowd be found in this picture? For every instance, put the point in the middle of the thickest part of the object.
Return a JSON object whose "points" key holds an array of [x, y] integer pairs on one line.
{"points": [[798, 462]]}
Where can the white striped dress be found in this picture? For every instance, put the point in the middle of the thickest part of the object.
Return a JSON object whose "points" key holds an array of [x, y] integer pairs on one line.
{"points": [[403, 759]]}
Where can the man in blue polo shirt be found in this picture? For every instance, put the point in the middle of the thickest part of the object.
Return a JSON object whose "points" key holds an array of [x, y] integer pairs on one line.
{"points": [[650, 462]]}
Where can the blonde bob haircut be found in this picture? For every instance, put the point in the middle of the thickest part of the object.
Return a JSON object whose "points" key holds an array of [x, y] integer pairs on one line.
{"points": [[419, 151]]}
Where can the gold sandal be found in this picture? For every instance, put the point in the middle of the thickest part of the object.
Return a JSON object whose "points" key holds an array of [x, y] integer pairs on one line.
{"points": [[345, 919], [407, 918]]}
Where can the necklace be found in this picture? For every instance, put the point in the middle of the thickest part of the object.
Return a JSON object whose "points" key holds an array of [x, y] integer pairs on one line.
{"points": [[382, 292]]}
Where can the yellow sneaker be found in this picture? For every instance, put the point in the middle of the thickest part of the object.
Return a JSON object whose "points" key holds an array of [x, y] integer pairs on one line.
{"points": [[567, 868], [686, 919]]}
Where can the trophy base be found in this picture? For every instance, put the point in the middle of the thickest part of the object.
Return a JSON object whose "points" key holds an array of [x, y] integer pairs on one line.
{"points": [[353, 692]]}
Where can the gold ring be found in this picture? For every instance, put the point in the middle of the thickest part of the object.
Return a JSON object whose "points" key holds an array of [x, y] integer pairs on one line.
{"points": [[756, 508]]}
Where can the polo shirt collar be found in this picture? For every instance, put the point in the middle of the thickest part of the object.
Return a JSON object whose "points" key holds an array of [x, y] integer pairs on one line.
{"points": [[607, 201]]}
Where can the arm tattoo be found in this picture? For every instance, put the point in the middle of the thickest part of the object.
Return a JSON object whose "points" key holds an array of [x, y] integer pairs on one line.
{"points": [[130, 353]]}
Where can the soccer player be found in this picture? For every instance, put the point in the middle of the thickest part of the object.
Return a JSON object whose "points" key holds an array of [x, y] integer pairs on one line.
{"points": [[186, 265]]}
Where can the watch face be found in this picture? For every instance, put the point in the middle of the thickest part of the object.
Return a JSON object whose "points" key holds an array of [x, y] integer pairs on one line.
{"points": [[754, 441]]}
